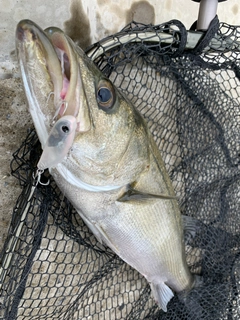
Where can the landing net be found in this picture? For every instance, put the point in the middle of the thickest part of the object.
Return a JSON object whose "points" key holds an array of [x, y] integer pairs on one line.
{"points": [[52, 267]]}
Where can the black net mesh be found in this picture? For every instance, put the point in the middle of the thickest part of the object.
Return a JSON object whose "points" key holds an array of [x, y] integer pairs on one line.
{"points": [[52, 267]]}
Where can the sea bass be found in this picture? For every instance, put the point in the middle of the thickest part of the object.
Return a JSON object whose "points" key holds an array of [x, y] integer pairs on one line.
{"points": [[102, 156]]}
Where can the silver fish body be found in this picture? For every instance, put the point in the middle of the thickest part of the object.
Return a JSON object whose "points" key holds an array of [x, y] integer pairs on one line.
{"points": [[112, 171]]}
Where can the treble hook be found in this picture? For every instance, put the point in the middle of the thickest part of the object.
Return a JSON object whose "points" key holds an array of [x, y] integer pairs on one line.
{"points": [[37, 178]]}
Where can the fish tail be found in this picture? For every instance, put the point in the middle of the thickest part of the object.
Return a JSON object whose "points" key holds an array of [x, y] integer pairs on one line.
{"points": [[162, 294]]}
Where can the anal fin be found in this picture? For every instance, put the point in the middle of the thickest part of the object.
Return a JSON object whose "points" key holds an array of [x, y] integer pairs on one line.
{"points": [[162, 294]]}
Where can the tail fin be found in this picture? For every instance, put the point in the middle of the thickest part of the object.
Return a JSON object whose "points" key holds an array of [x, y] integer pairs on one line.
{"points": [[162, 294]]}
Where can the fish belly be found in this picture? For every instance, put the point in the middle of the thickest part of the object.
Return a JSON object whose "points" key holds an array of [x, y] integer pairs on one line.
{"points": [[145, 235]]}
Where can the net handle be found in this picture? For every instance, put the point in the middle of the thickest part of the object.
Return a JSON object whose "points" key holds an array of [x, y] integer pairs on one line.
{"points": [[207, 12]]}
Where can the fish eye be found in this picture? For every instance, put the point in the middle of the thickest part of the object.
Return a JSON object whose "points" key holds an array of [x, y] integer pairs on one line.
{"points": [[65, 129], [105, 95]]}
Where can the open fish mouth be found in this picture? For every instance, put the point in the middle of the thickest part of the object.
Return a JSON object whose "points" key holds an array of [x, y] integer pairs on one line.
{"points": [[51, 76]]}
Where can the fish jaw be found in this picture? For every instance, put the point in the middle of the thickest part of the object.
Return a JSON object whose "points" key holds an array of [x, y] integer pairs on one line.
{"points": [[51, 77], [36, 79], [73, 64]]}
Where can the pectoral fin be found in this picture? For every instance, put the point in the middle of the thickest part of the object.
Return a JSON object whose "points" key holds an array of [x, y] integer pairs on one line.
{"points": [[92, 227], [99, 233], [133, 194]]}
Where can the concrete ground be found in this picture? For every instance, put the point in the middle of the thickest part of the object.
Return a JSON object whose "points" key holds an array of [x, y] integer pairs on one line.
{"points": [[14, 123]]}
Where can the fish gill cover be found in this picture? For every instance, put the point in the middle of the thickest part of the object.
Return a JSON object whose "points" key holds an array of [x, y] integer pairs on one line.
{"points": [[52, 267]]}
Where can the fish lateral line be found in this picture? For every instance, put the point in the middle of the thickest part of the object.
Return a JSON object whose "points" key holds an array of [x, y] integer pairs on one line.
{"points": [[133, 194]]}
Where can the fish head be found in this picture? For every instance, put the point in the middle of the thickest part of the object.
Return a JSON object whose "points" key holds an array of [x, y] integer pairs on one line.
{"points": [[83, 122]]}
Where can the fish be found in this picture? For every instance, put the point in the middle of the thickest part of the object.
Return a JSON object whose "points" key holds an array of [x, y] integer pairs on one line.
{"points": [[102, 156]]}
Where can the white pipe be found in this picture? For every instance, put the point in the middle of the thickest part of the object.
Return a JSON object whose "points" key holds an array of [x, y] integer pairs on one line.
{"points": [[207, 11]]}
